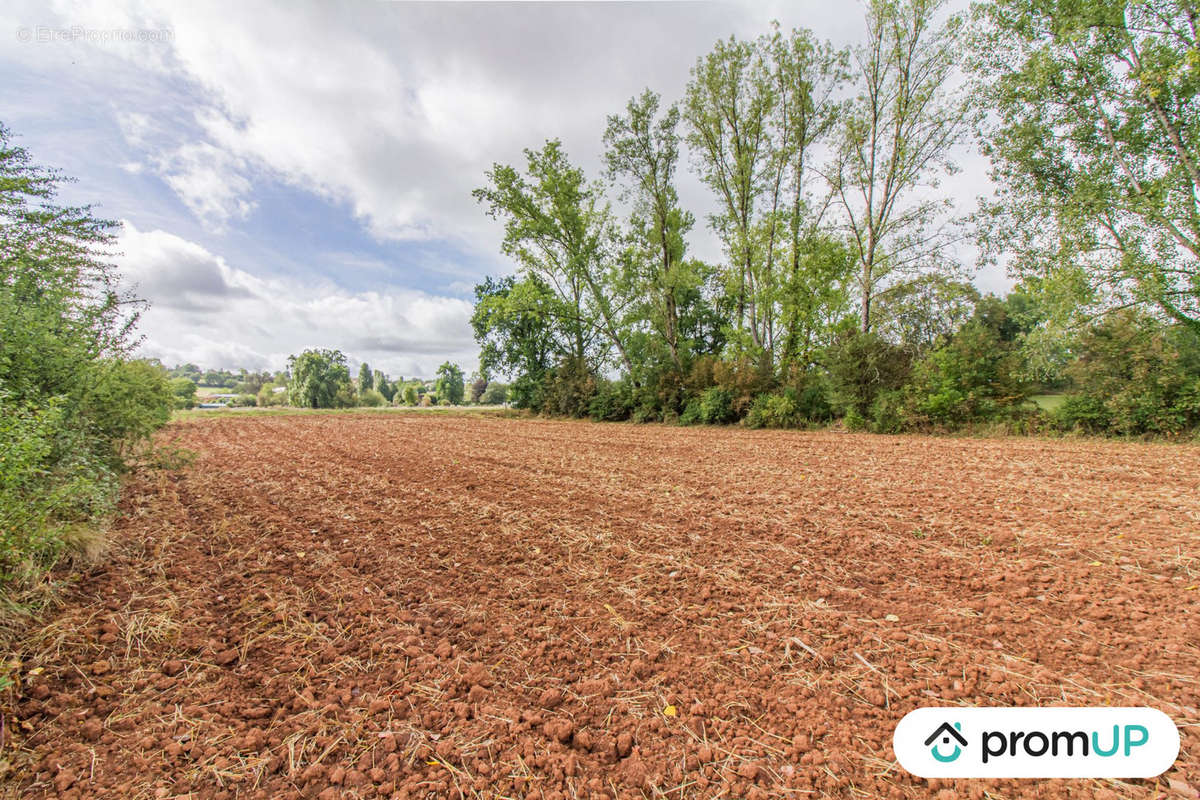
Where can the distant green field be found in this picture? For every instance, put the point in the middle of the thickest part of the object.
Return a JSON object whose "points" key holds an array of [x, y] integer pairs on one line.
{"points": [[1048, 402]]}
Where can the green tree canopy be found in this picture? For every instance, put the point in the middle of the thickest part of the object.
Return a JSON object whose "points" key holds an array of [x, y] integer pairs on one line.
{"points": [[450, 388], [1095, 146], [756, 112], [320, 379], [558, 228], [514, 323], [642, 152], [184, 392], [61, 309]]}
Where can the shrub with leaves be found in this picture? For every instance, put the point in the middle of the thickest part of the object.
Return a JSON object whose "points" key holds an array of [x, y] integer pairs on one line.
{"points": [[47, 482], [267, 396], [1132, 375], [73, 404], [716, 406], [860, 366], [568, 390], [612, 402], [184, 392], [974, 377], [495, 394], [371, 398], [774, 411], [128, 402], [742, 380]]}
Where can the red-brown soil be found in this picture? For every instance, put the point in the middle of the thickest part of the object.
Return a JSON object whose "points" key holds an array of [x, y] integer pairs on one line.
{"points": [[410, 605]]}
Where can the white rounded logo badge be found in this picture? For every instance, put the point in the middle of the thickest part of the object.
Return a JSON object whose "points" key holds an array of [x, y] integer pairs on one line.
{"points": [[958, 742]]}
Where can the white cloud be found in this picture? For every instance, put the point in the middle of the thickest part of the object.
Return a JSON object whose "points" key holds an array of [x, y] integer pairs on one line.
{"points": [[397, 110], [209, 180], [177, 274], [205, 311], [135, 126]]}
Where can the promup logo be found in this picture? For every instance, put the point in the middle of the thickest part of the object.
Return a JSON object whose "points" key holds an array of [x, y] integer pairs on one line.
{"points": [[1036, 742], [946, 733]]}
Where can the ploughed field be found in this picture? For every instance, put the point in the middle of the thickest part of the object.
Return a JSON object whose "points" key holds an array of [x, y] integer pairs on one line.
{"points": [[412, 605]]}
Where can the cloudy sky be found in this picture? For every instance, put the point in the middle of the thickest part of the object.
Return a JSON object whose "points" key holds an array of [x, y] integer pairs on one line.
{"points": [[293, 175]]}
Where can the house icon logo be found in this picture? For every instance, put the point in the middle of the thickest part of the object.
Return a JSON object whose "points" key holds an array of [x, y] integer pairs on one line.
{"points": [[945, 733]]}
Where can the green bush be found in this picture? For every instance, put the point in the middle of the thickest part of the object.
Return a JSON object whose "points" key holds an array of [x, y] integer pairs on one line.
{"points": [[1083, 413], [130, 400], [716, 406], [647, 412], [495, 394], [860, 366], [803, 402], [612, 402], [756, 417], [184, 391], [661, 396], [529, 391], [371, 398], [854, 420], [691, 413], [267, 396], [1133, 375], [74, 406], [974, 377], [812, 401], [346, 396], [52, 479], [740, 382], [774, 411], [888, 412], [568, 390]]}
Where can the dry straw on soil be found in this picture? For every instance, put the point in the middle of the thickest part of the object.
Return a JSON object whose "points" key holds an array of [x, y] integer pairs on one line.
{"points": [[424, 606]]}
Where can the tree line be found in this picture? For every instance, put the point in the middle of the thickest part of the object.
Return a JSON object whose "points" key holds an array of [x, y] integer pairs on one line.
{"points": [[320, 378], [840, 292]]}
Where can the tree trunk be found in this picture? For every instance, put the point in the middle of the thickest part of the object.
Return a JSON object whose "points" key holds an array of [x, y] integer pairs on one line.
{"points": [[865, 321]]}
